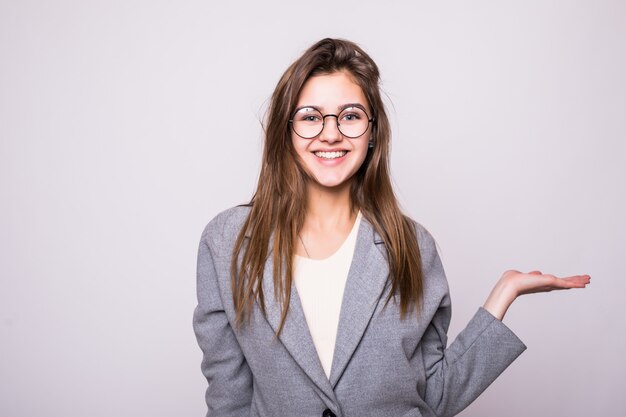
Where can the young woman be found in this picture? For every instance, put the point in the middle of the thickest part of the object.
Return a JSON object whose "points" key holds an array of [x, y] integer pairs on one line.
{"points": [[319, 297]]}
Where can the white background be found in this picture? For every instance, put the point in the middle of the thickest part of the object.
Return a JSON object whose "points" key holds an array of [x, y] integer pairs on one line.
{"points": [[125, 126]]}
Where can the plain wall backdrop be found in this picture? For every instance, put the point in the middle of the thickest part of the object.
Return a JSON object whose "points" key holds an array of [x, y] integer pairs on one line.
{"points": [[125, 126]]}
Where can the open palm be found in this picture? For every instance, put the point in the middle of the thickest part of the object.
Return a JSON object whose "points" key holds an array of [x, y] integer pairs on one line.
{"points": [[514, 283], [535, 281]]}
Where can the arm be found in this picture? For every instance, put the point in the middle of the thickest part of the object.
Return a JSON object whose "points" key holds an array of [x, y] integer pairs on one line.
{"points": [[457, 374], [230, 380]]}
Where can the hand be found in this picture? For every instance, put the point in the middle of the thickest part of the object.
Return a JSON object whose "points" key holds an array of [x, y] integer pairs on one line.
{"points": [[515, 283]]}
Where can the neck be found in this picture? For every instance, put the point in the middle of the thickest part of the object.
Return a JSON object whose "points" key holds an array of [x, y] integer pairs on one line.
{"points": [[329, 208]]}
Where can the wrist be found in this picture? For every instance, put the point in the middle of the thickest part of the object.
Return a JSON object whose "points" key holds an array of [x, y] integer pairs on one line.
{"points": [[500, 299]]}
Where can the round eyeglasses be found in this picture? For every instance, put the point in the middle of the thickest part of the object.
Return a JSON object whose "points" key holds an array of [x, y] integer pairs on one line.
{"points": [[352, 122]]}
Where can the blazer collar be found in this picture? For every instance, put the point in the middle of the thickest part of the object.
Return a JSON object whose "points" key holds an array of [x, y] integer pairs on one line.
{"points": [[364, 286]]}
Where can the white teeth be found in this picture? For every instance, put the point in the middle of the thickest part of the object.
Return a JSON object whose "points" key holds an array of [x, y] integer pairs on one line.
{"points": [[330, 155]]}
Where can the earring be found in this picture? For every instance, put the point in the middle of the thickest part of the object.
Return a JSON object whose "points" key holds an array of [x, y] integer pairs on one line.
{"points": [[370, 144]]}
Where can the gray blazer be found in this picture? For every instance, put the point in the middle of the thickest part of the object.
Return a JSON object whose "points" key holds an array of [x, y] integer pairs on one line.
{"points": [[382, 366]]}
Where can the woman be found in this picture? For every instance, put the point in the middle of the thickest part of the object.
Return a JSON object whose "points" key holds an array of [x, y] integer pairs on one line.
{"points": [[319, 297]]}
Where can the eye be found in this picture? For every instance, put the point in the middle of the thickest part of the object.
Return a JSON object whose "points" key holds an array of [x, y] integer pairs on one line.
{"points": [[308, 115], [352, 114]]}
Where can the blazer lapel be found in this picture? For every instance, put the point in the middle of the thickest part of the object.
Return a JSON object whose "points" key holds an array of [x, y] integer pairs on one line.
{"points": [[365, 284], [295, 335]]}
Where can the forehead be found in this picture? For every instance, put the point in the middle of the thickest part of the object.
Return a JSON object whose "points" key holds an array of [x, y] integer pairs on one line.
{"points": [[329, 91]]}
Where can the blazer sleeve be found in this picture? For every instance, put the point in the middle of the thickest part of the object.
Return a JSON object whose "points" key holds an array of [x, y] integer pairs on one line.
{"points": [[229, 392], [456, 375]]}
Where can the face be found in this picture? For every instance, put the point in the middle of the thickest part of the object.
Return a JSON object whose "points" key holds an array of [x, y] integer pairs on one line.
{"points": [[332, 158]]}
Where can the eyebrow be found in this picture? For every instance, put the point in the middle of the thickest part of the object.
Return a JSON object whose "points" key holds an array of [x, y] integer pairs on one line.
{"points": [[339, 108]]}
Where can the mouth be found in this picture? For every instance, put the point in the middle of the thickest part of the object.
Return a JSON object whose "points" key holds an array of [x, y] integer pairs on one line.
{"points": [[330, 155]]}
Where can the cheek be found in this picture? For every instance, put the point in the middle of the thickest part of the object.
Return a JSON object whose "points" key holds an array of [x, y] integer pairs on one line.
{"points": [[362, 163], [297, 147], [364, 153], [299, 151]]}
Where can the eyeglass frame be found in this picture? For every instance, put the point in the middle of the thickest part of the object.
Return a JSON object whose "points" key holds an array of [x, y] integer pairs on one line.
{"points": [[336, 116]]}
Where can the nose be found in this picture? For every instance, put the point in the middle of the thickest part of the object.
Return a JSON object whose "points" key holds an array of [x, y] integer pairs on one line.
{"points": [[330, 132]]}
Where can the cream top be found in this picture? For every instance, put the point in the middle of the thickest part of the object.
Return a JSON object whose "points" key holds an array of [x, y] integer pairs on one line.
{"points": [[320, 284]]}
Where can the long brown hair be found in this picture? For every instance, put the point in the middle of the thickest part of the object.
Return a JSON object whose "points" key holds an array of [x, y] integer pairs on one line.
{"points": [[278, 206]]}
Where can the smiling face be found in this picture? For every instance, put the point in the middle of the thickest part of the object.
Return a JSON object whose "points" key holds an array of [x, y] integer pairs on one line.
{"points": [[331, 158]]}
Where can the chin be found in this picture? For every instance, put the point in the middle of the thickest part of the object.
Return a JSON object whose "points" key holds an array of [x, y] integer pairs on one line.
{"points": [[331, 183]]}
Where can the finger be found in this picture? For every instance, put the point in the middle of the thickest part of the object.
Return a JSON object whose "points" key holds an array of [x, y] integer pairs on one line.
{"points": [[535, 272], [575, 281], [578, 280], [585, 278]]}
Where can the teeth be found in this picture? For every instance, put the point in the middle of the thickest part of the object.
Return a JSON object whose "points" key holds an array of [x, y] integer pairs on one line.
{"points": [[331, 155]]}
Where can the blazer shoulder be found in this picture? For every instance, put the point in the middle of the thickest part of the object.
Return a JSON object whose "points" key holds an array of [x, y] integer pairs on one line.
{"points": [[425, 240], [225, 226], [429, 254]]}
